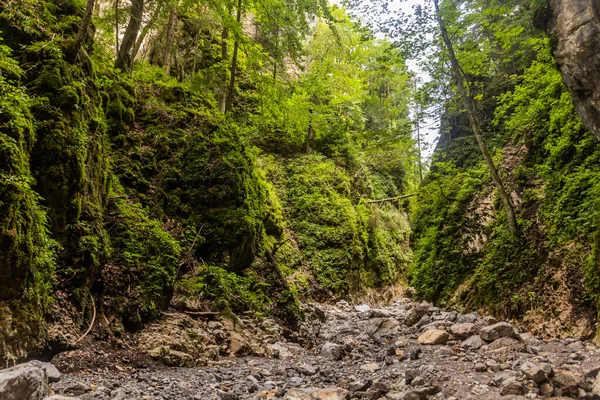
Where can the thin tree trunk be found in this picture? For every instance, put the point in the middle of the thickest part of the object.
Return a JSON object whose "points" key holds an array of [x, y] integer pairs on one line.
{"points": [[146, 29], [468, 104], [169, 38], [224, 58], [232, 75], [124, 58], [82, 34], [116, 28]]}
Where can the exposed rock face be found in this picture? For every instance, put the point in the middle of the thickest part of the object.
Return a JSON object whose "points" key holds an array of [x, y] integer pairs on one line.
{"points": [[574, 27], [23, 382]]}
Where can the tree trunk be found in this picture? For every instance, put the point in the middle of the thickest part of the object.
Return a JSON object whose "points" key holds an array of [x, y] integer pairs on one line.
{"points": [[169, 38], [310, 138], [236, 45], [468, 104], [146, 29], [224, 58], [124, 58], [116, 28], [82, 34]]}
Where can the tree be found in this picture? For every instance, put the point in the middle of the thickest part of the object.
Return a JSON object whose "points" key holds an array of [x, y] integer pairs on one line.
{"points": [[475, 125], [125, 52], [82, 33], [169, 37], [234, 61]]}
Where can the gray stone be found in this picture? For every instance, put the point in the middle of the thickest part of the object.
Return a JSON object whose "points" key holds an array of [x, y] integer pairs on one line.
{"points": [[332, 351], [567, 381], [576, 26], [511, 386], [534, 372], [497, 331], [362, 308], [474, 342], [377, 327], [52, 372], [464, 330], [480, 367], [307, 369], [23, 382]]}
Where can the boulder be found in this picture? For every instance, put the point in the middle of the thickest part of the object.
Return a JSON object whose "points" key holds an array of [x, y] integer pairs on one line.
{"points": [[464, 330], [575, 27], [567, 381], [511, 386], [534, 372], [23, 382], [52, 372], [497, 331], [378, 327], [474, 342], [433, 337]]}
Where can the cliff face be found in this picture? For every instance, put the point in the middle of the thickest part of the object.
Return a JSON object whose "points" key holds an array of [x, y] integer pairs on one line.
{"points": [[575, 29]]}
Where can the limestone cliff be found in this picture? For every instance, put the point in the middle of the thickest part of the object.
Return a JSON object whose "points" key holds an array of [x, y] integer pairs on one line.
{"points": [[574, 26]]}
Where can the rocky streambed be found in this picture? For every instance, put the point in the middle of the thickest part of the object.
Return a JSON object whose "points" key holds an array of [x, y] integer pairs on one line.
{"points": [[407, 351]]}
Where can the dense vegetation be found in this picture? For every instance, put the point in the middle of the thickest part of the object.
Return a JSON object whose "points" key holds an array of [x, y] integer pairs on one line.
{"points": [[464, 251], [243, 156], [220, 153]]}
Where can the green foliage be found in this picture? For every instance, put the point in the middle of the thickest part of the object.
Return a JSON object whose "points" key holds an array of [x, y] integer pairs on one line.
{"points": [[229, 291], [140, 272]]}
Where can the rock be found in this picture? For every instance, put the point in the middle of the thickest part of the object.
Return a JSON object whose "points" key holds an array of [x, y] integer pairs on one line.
{"points": [[463, 331], [317, 394], [52, 372], [575, 25], [332, 351], [511, 386], [567, 381], [504, 375], [411, 318], [376, 391], [359, 386], [281, 351], [433, 337], [421, 393], [58, 397], [546, 389], [506, 342], [534, 372], [497, 331], [480, 367], [596, 387], [377, 327], [474, 342], [23, 382], [466, 318], [370, 367], [78, 388], [237, 344], [307, 369], [422, 308], [362, 308]]}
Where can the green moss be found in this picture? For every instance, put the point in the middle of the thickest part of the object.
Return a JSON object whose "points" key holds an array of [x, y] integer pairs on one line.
{"points": [[229, 291], [138, 277]]}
